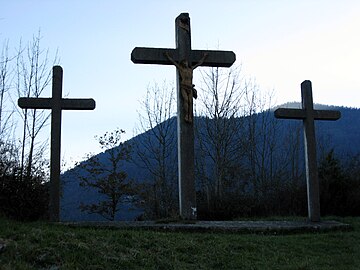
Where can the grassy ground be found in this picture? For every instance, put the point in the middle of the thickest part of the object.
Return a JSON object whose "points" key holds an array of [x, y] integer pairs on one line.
{"points": [[48, 246]]}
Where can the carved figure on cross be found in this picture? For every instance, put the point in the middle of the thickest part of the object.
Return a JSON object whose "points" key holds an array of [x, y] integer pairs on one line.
{"points": [[187, 88]]}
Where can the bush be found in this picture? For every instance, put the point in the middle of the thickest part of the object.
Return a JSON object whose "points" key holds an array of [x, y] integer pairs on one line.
{"points": [[24, 199]]}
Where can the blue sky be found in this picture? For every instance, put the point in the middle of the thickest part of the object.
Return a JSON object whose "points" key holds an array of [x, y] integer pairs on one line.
{"points": [[279, 43]]}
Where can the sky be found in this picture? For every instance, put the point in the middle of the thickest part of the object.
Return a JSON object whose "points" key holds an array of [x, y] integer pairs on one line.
{"points": [[279, 43]]}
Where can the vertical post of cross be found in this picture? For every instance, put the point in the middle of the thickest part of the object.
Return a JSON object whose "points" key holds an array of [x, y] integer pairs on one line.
{"points": [[186, 167], [310, 150], [55, 145]]}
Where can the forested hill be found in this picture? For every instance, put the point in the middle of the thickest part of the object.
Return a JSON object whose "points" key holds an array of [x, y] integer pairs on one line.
{"points": [[343, 135], [260, 145]]}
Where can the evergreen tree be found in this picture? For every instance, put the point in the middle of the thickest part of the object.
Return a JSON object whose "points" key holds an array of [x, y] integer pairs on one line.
{"points": [[334, 186]]}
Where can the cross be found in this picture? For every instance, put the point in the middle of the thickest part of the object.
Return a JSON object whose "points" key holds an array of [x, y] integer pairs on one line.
{"points": [[308, 115], [56, 104], [183, 54]]}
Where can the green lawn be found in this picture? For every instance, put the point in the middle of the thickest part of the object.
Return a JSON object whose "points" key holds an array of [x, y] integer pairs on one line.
{"points": [[46, 246]]}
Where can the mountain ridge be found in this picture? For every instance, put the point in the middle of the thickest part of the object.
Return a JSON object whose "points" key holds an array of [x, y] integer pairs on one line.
{"points": [[339, 133]]}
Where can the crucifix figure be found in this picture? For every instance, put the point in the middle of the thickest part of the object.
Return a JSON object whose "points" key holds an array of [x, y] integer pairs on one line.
{"points": [[56, 104], [186, 60], [187, 88], [308, 115]]}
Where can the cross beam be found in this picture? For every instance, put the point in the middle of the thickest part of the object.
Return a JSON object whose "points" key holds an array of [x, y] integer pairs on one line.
{"points": [[301, 114], [185, 130], [308, 115], [56, 104], [65, 103], [141, 55]]}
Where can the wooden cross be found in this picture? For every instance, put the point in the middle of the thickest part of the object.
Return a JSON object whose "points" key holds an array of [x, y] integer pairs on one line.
{"points": [[193, 58], [308, 115], [56, 104]]}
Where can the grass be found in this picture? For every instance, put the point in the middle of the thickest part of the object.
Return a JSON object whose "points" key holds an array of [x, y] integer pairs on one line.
{"points": [[41, 245]]}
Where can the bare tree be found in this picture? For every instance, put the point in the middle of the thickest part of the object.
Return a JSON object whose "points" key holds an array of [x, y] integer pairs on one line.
{"points": [[5, 84], [33, 77], [237, 138], [262, 141], [8, 150], [218, 131], [157, 151], [22, 166]]}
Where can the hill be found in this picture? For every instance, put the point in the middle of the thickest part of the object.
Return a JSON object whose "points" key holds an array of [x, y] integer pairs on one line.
{"points": [[341, 135]]}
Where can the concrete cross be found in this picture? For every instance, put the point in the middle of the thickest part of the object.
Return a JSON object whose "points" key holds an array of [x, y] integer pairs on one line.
{"points": [[192, 58], [56, 104], [308, 115]]}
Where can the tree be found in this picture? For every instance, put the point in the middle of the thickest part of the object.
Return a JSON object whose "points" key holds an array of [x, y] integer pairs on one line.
{"points": [[352, 169], [334, 186], [5, 84], [33, 76], [238, 151], [107, 175], [23, 188], [156, 153], [293, 183], [7, 147], [218, 131]]}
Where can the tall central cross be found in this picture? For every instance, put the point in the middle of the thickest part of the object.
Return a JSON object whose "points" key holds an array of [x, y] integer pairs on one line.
{"points": [[308, 115], [56, 104], [186, 60]]}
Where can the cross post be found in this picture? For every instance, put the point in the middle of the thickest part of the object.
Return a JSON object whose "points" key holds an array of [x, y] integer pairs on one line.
{"points": [[308, 115], [185, 93], [56, 104]]}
